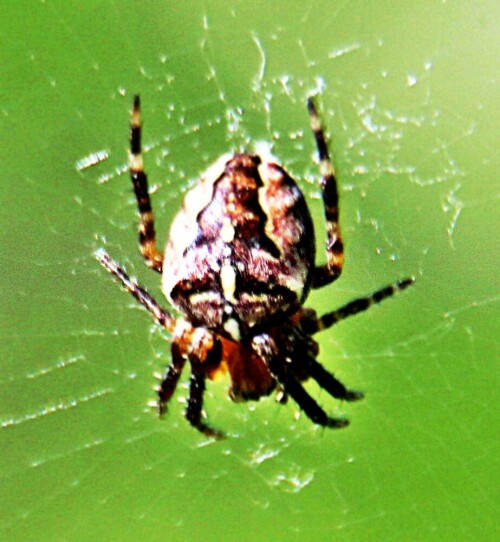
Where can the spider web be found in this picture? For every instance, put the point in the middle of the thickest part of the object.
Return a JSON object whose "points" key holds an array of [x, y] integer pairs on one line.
{"points": [[408, 99]]}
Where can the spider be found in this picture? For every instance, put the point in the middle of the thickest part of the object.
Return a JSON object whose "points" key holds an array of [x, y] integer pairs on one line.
{"points": [[239, 264]]}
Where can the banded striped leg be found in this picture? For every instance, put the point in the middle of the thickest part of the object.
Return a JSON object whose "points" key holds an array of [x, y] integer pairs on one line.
{"points": [[161, 317], [330, 271], [174, 370], [147, 235], [313, 325]]}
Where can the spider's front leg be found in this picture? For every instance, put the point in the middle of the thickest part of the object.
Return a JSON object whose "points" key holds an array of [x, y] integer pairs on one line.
{"points": [[204, 353], [330, 271], [266, 347], [328, 382], [163, 318], [310, 323], [171, 377]]}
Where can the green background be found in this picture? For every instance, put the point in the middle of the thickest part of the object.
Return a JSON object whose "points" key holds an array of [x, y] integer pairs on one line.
{"points": [[409, 92]]}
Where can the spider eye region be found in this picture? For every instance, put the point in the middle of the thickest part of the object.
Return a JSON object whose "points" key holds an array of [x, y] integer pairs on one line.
{"points": [[242, 248]]}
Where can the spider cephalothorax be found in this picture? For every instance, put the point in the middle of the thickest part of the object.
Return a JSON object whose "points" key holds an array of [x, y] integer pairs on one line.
{"points": [[238, 265]]}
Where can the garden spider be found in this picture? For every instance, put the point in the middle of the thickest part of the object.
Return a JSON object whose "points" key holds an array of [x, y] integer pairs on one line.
{"points": [[239, 265]]}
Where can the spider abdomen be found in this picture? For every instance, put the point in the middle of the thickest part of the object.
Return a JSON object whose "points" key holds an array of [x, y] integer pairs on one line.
{"points": [[242, 249]]}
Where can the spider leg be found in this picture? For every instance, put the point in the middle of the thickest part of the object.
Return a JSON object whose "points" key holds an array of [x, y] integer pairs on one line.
{"points": [[330, 271], [362, 304], [147, 235], [266, 348], [204, 353], [195, 404], [162, 317], [310, 407], [171, 377], [329, 383]]}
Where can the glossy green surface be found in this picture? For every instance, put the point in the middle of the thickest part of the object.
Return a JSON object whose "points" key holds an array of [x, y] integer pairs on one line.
{"points": [[410, 97]]}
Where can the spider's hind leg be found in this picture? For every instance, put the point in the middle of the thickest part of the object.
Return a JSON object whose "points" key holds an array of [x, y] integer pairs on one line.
{"points": [[330, 271], [147, 234]]}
